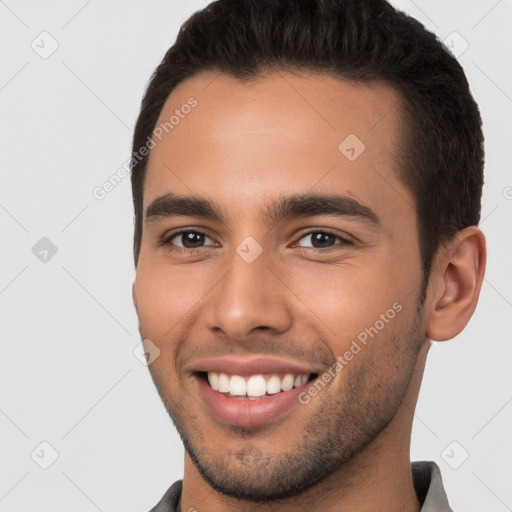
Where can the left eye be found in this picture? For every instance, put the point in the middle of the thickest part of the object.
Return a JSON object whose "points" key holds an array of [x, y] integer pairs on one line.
{"points": [[321, 239]]}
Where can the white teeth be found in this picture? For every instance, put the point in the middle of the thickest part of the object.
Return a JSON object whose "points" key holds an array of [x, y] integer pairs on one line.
{"points": [[237, 385], [255, 386], [223, 383], [273, 385], [213, 379], [287, 382]]}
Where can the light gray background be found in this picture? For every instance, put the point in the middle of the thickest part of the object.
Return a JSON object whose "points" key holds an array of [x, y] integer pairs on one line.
{"points": [[68, 328]]}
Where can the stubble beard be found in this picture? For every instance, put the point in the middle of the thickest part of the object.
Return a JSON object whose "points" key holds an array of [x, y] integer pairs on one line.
{"points": [[343, 427]]}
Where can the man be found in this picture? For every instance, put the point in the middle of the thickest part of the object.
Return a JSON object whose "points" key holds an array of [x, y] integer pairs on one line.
{"points": [[306, 180]]}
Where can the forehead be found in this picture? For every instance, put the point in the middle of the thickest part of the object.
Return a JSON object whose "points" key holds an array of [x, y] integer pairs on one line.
{"points": [[285, 132]]}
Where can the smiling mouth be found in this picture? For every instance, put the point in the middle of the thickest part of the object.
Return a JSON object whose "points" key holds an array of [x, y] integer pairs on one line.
{"points": [[255, 386]]}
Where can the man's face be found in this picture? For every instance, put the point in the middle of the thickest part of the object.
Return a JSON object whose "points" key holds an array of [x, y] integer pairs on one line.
{"points": [[268, 287]]}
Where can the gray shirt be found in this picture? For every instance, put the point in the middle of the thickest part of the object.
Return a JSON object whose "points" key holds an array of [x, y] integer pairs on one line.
{"points": [[426, 477]]}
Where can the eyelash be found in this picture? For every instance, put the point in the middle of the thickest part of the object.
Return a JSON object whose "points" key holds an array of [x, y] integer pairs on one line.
{"points": [[167, 240]]}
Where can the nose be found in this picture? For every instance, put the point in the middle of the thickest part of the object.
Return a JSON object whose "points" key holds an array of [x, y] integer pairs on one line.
{"points": [[250, 297]]}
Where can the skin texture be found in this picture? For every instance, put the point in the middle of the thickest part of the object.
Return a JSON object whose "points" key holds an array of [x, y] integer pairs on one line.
{"points": [[243, 146]]}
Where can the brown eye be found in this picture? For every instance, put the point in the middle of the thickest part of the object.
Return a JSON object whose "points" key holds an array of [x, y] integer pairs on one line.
{"points": [[321, 240], [188, 239]]}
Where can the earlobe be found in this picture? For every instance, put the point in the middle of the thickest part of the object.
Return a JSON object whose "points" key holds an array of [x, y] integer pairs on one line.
{"points": [[456, 284]]}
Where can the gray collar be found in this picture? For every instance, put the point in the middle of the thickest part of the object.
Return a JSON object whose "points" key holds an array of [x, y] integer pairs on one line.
{"points": [[428, 484]]}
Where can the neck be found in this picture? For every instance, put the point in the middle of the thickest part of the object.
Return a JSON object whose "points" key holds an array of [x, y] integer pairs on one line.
{"points": [[378, 478]]}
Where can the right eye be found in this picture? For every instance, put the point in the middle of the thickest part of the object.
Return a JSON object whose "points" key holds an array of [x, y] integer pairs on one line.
{"points": [[187, 240]]}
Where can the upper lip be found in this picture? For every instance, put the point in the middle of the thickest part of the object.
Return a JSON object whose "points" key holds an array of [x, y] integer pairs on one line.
{"points": [[237, 365]]}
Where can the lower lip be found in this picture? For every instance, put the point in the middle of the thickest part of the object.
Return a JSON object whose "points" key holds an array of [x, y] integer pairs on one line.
{"points": [[245, 412]]}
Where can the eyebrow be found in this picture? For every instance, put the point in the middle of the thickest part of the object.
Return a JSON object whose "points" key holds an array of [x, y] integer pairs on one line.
{"points": [[309, 205], [300, 205], [171, 205]]}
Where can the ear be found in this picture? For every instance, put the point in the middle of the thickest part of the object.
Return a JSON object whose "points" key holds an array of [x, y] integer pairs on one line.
{"points": [[134, 299], [455, 283]]}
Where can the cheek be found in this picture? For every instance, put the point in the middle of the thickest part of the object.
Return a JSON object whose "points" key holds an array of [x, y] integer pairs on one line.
{"points": [[165, 296], [352, 300]]}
